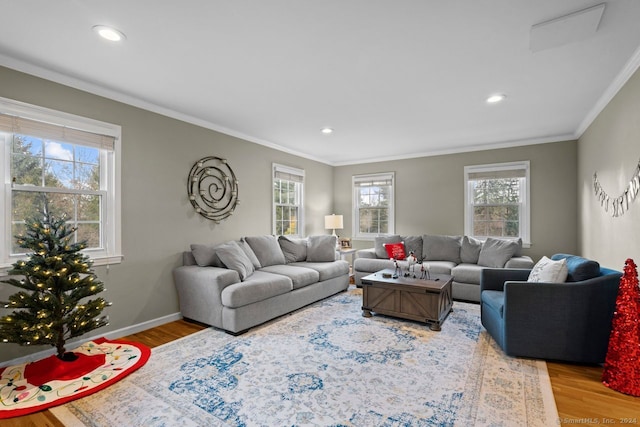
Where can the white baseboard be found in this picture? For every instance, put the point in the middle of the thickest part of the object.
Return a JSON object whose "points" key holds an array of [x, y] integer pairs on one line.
{"points": [[118, 333]]}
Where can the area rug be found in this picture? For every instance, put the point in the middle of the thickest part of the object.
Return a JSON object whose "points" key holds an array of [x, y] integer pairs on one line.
{"points": [[32, 387], [327, 365]]}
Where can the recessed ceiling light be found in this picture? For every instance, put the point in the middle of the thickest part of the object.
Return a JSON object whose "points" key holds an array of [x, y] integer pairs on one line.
{"points": [[496, 98], [109, 33], [326, 131]]}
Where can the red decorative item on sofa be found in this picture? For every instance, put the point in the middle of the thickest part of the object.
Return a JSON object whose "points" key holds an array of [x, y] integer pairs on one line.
{"points": [[395, 250], [622, 365]]}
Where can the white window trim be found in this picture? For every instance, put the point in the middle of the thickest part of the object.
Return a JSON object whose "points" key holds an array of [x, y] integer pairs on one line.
{"points": [[525, 216], [112, 253], [292, 171], [355, 218]]}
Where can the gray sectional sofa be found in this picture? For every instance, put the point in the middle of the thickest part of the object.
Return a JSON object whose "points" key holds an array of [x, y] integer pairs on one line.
{"points": [[459, 256], [240, 284]]}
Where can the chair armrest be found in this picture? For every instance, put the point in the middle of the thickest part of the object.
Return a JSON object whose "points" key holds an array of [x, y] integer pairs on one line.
{"points": [[493, 279], [366, 253]]}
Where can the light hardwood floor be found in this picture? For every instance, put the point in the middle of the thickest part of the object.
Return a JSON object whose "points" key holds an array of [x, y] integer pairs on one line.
{"points": [[580, 396]]}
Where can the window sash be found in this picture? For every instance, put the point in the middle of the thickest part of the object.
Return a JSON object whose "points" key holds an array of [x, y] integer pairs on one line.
{"points": [[288, 212], [514, 170], [36, 121], [365, 231]]}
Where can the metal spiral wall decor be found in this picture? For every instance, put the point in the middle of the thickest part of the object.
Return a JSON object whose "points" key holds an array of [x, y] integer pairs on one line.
{"points": [[621, 203], [213, 188]]}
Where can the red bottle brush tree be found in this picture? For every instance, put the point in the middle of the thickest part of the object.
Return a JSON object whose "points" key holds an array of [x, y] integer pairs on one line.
{"points": [[622, 364], [57, 282]]}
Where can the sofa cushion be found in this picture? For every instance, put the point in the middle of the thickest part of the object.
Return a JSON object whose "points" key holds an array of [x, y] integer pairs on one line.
{"points": [[579, 268], [205, 255], [549, 271], [252, 256], [378, 244], [327, 270], [234, 258], [371, 265], [440, 267], [470, 250], [294, 250], [300, 276], [267, 250], [395, 250], [321, 248], [258, 287], [467, 273], [494, 299], [413, 243], [496, 252], [441, 248]]}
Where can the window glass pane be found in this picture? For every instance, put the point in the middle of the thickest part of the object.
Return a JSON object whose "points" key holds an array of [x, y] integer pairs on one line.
{"points": [[62, 204], [58, 150], [25, 205], [87, 177], [58, 174], [87, 155], [26, 170], [17, 229], [88, 208], [89, 232]]}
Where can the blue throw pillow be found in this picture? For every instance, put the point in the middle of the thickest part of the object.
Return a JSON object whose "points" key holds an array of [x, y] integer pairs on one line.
{"points": [[579, 268]]}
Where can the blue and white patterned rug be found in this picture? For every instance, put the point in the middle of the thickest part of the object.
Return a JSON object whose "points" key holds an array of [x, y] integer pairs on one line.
{"points": [[327, 365]]}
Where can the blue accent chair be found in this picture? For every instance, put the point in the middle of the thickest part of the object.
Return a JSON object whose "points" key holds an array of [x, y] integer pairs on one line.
{"points": [[568, 321]]}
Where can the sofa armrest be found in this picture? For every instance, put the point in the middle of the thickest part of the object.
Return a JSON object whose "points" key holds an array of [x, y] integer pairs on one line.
{"points": [[366, 253], [199, 290], [520, 262], [493, 279]]}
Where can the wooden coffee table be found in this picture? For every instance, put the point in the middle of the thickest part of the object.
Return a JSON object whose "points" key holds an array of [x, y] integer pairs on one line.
{"points": [[428, 301]]}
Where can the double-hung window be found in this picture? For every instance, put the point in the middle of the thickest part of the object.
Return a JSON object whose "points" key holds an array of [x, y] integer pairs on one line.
{"points": [[288, 191], [66, 161], [497, 201], [373, 205]]}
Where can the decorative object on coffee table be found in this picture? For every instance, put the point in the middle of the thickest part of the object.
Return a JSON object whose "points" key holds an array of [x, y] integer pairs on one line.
{"points": [[426, 301], [213, 188]]}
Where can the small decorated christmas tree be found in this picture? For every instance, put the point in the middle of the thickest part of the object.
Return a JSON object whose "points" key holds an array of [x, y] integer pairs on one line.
{"points": [[622, 365], [56, 281]]}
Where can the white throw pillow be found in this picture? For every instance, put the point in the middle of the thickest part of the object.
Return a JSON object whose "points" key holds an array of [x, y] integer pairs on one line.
{"points": [[547, 270]]}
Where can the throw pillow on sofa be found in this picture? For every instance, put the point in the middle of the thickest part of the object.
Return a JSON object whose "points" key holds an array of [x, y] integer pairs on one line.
{"points": [[294, 250], [250, 254], [441, 248], [378, 243], [205, 255], [579, 268], [234, 258], [413, 243], [470, 250], [395, 250], [267, 250], [496, 252], [321, 248], [550, 271]]}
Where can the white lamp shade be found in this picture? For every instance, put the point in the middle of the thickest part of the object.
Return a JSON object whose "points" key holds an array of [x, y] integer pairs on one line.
{"points": [[333, 222]]}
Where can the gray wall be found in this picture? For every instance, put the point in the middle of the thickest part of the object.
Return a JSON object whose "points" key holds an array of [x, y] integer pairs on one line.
{"points": [[430, 193], [611, 147], [158, 222]]}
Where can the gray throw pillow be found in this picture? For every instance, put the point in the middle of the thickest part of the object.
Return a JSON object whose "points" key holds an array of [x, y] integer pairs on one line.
{"points": [[470, 250], [234, 258], [252, 256], [294, 250], [205, 255], [321, 248], [441, 248], [379, 242], [413, 243], [267, 250], [496, 252]]}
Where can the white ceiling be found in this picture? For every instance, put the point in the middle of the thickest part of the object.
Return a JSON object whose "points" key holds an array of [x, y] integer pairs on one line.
{"points": [[394, 78]]}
